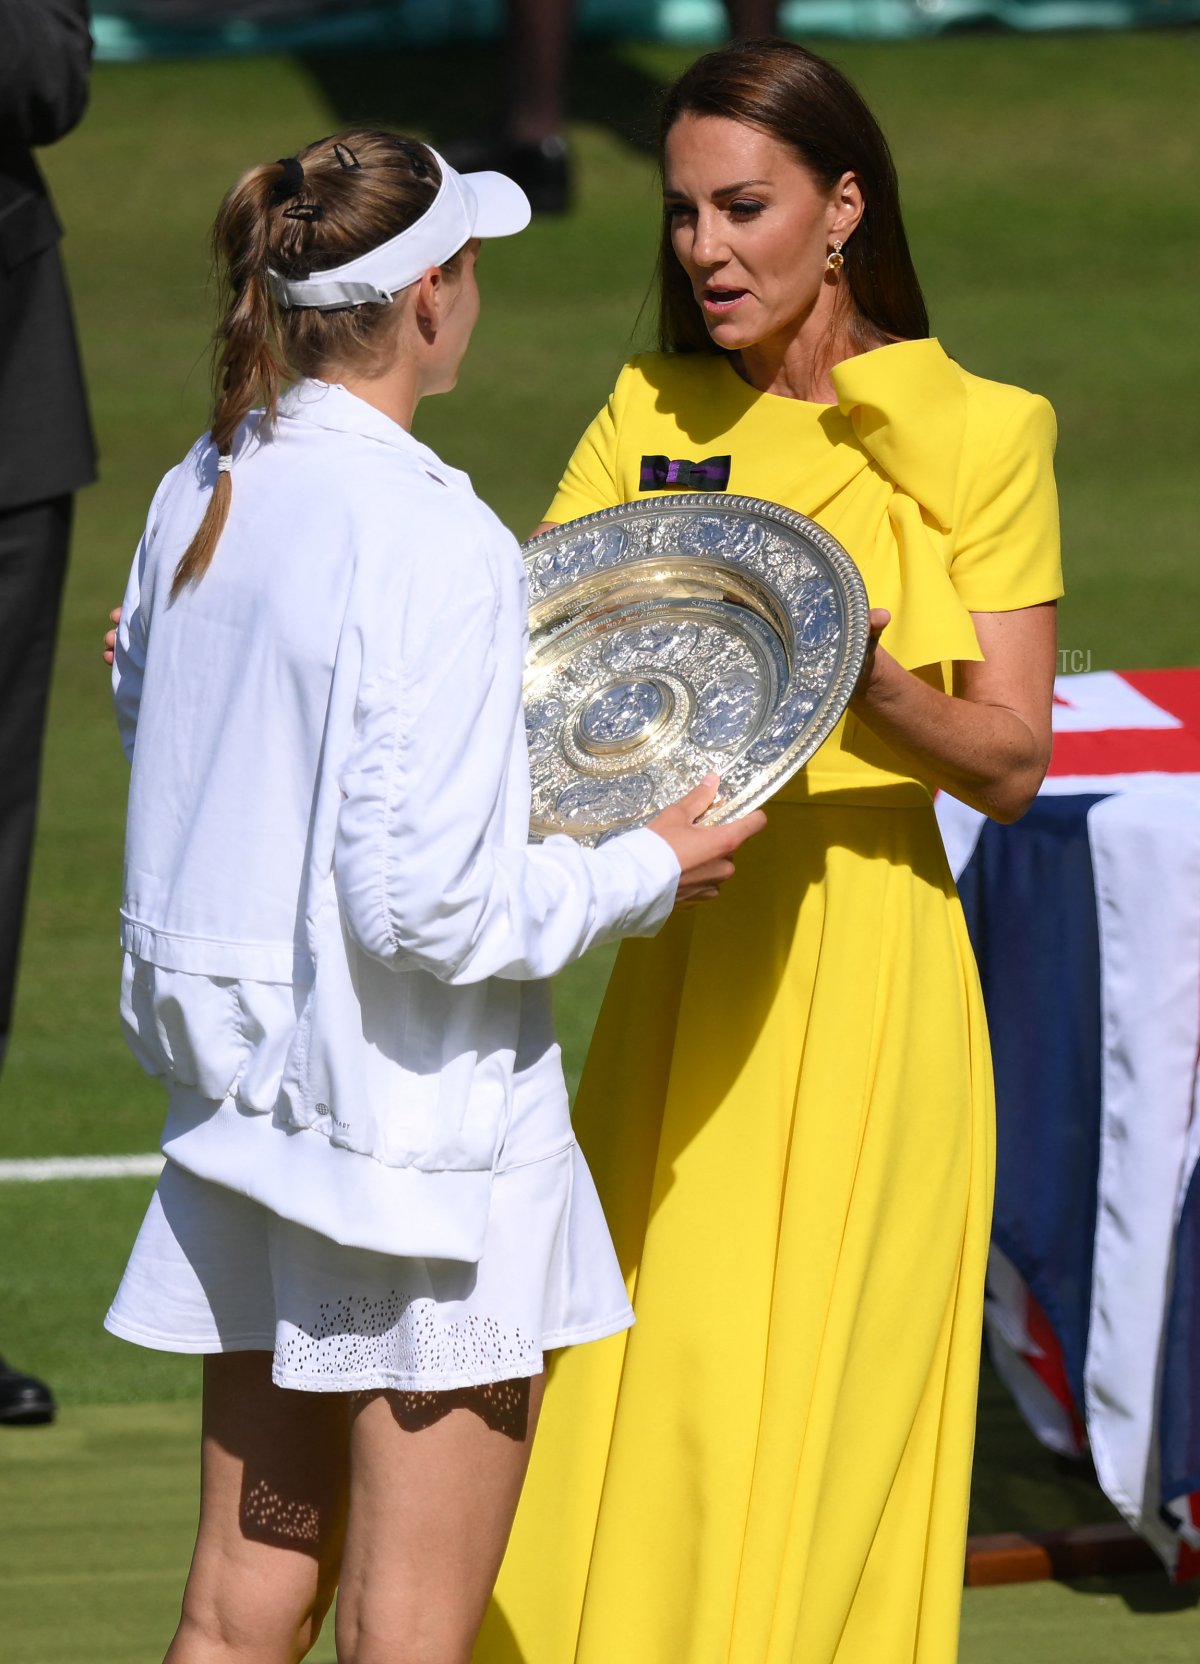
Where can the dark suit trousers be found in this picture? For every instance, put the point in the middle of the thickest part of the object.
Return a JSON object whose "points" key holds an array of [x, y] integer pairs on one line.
{"points": [[33, 561]]}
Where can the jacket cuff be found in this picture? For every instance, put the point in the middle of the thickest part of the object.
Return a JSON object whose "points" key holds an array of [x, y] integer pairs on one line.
{"points": [[652, 877]]}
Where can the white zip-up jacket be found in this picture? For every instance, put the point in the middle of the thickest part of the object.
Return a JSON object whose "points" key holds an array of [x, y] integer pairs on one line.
{"points": [[332, 915]]}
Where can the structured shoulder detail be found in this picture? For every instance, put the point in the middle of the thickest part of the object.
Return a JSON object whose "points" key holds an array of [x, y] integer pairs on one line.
{"points": [[908, 406]]}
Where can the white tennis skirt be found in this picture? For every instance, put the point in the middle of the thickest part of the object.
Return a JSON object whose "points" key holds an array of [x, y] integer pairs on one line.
{"points": [[212, 1271]]}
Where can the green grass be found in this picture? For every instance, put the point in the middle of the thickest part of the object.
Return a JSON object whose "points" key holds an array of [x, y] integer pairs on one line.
{"points": [[99, 1513], [1119, 1620], [1052, 205]]}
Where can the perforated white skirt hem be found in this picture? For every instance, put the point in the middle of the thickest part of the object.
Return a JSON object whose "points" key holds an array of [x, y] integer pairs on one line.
{"points": [[212, 1271]]}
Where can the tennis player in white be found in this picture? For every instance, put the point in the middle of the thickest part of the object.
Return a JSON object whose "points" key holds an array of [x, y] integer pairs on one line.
{"points": [[374, 1219]]}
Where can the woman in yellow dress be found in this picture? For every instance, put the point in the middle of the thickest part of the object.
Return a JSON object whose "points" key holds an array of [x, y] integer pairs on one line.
{"points": [[788, 1102]]}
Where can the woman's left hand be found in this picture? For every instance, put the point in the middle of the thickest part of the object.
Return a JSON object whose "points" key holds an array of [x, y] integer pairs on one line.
{"points": [[110, 640]]}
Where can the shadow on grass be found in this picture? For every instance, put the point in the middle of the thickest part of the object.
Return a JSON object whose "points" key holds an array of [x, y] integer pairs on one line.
{"points": [[1145, 1593], [456, 92], [1018, 1485]]}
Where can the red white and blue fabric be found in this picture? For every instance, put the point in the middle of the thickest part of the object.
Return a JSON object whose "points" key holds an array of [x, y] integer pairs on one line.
{"points": [[1085, 917]]}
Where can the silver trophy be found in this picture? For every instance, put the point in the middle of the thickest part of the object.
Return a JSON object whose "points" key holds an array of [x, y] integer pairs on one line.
{"points": [[678, 635]]}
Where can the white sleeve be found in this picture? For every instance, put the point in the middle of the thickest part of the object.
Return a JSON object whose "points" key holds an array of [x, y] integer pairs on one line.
{"points": [[424, 874], [129, 659]]}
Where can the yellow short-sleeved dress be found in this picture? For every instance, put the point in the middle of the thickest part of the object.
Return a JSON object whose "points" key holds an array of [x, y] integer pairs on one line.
{"points": [[788, 1105]]}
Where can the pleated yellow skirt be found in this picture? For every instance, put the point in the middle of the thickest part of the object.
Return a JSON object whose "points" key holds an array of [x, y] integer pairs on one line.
{"points": [[788, 1112]]}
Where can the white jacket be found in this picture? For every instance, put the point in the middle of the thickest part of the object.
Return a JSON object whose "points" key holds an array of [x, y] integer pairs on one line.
{"points": [[330, 901]]}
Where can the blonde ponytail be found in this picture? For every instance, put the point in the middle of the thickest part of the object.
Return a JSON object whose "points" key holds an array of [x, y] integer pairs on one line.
{"points": [[248, 361], [337, 199]]}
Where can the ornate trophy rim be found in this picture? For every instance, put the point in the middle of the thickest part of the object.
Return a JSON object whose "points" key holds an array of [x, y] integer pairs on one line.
{"points": [[556, 610]]}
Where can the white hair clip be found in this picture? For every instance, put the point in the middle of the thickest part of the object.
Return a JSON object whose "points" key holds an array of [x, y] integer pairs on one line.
{"points": [[225, 464]]}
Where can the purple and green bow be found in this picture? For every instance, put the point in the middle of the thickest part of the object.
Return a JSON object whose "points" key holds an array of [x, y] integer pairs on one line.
{"points": [[660, 471]]}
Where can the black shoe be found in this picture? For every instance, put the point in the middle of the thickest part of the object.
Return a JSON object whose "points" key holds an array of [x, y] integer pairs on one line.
{"points": [[24, 1400], [543, 171]]}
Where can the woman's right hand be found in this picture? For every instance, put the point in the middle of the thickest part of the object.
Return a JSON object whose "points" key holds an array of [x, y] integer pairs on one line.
{"points": [[110, 640], [703, 852]]}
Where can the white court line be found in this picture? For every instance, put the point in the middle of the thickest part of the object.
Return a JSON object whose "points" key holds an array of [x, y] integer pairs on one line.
{"points": [[35, 1169]]}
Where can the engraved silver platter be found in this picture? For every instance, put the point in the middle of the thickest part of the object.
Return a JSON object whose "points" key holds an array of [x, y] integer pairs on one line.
{"points": [[678, 635]]}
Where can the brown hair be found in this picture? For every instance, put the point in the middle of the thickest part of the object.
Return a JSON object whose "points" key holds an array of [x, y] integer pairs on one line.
{"points": [[337, 199], [807, 104]]}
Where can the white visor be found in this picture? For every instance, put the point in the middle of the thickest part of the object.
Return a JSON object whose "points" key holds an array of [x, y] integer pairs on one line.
{"points": [[466, 205]]}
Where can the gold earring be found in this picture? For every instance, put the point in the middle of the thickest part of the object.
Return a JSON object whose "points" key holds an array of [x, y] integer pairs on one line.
{"points": [[835, 262]]}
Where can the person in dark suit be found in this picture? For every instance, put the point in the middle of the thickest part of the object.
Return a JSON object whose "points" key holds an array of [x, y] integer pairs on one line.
{"points": [[46, 453]]}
